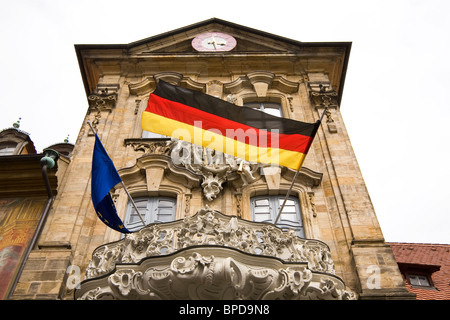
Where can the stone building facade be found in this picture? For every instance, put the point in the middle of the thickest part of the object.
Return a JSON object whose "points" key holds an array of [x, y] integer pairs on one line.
{"points": [[28, 186], [209, 233]]}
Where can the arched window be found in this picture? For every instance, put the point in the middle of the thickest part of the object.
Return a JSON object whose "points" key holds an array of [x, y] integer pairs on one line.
{"points": [[152, 209], [266, 209], [7, 149]]}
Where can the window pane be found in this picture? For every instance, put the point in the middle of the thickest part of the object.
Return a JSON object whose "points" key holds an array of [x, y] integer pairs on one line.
{"points": [[273, 112], [290, 217], [132, 220], [419, 280], [289, 209], [166, 210], [260, 217], [271, 105], [273, 109], [424, 281], [134, 217], [141, 204], [288, 202], [253, 105], [414, 280], [262, 202], [7, 150], [262, 210], [266, 209], [152, 209], [165, 203]]}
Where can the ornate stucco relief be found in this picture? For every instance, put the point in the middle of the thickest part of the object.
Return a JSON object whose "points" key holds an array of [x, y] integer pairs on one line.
{"points": [[213, 167], [223, 274], [209, 227], [212, 256]]}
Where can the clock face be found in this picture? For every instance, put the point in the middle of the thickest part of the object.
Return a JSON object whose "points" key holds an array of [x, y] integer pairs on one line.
{"points": [[213, 42]]}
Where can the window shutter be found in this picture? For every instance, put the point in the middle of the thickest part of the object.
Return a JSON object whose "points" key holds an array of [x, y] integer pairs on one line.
{"points": [[266, 208], [165, 209], [152, 209], [261, 210]]}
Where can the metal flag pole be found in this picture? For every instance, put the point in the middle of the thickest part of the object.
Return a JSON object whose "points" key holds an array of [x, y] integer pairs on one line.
{"points": [[124, 187], [295, 176], [134, 204]]}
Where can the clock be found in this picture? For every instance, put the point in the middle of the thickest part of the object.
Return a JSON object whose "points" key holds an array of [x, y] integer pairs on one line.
{"points": [[213, 42]]}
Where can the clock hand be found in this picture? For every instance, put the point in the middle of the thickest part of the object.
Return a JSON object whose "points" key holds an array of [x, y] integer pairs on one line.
{"points": [[213, 42], [219, 43]]}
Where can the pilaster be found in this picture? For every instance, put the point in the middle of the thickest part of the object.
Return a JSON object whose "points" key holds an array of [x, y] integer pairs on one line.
{"points": [[375, 271]]}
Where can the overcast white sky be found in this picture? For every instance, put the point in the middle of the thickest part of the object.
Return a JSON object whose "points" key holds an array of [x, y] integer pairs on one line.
{"points": [[395, 104]]}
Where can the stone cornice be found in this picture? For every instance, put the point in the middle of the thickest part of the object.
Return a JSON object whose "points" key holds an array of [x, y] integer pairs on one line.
{"points": [[148, 84], [260, 81], [306, 176], [160, 160], [21, 176]]}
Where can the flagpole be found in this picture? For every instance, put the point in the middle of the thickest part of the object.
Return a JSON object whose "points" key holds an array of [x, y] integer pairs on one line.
{"points": [[124, 187], [295, 176], [132, 202]]}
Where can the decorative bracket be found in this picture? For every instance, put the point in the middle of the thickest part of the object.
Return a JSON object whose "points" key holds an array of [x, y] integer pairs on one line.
{"points": [[322, 95], [104, 98]]}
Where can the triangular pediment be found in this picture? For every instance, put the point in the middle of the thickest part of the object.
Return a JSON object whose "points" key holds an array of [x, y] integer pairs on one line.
{"points": [[180, 40], [255, 46]]}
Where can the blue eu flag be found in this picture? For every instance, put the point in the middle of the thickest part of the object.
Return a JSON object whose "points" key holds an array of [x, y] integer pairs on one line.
{"points": [[104, 177]]}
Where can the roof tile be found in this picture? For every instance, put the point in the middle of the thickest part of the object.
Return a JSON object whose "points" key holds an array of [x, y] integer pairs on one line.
{"points": [[421, 255]]}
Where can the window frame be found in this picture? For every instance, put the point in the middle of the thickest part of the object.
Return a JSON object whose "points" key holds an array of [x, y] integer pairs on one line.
{"points": [[8, 148], [427, 277], [275, 202]]}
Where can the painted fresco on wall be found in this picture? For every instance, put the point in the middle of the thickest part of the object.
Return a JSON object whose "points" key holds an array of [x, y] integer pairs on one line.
{"points": [[18, 221]]}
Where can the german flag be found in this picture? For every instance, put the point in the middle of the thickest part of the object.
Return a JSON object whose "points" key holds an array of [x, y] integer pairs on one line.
{"points": [[213, 123]]}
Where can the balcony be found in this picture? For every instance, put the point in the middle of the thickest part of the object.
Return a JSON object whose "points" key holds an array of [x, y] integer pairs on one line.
{"points": [[212, 256]]}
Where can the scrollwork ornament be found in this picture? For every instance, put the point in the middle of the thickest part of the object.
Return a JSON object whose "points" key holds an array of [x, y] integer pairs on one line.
{"points": [[298, 279], [209, 227], [192, 274], [123, 281], [215, 167]]}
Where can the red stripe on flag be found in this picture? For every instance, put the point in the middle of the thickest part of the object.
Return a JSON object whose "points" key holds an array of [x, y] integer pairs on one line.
{"points": [[237, 131]]}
